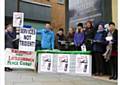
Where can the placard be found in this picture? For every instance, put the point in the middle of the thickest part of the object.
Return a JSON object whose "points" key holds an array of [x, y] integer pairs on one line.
{"points": [[18, 19], [27, 40], [20, 59], [82, 64], [63, 63], [46, 62]]}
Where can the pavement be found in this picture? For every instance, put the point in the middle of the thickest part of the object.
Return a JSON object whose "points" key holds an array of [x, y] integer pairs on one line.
{"points": [[20, 77]]}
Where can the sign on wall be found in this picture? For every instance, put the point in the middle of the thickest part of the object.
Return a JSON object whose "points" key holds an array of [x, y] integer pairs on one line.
{"points": [[20, 59], [63, 63], [82, 64], [18, 19], [46, 62], [27, 40]]}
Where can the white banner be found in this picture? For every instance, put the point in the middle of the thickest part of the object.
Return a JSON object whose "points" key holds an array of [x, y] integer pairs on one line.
{"points": [[27, 40], [63, 64], [20, 59], [18, 19], [82, 64], [46, 62]]}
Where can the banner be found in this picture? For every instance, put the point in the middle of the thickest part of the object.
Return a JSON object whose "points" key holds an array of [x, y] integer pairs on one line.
{"points": [[20, 59], [18, 19], [46, 62], [27, 40], [82, 64], [63, 64]]}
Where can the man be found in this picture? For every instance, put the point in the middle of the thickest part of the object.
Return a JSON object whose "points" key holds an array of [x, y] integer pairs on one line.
{"points": [[9, 37], [47, 35]]}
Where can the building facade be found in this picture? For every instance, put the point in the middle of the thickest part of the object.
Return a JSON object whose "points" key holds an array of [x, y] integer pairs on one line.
{"points": [[57, 12], [115, 12], [96, 11]]}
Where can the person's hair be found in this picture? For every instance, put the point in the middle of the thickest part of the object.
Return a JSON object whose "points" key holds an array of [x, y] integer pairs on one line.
{"points": [[80, 24], [48, 23], [111, 23], [61, 29], [90, 22], [72, 29], [101, 25], [8, 26]]}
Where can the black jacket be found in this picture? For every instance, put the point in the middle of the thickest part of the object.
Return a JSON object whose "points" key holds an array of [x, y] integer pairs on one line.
{"points": [[9, 39], [115, 40], [99, 42]]}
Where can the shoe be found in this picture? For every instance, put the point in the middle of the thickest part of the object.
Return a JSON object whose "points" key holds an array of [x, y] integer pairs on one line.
{"points": [[111, 77], [101, 74], [115, 78], [8, 69], [96, 74]]}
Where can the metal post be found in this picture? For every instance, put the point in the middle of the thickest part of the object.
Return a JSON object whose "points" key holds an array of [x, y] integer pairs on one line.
{"points": [[67, 15], [18, 6]]}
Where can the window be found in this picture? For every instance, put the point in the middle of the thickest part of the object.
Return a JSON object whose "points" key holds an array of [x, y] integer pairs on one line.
{"points": [[61, 1]]}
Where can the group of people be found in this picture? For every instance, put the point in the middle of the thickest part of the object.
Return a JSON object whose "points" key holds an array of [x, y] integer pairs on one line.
{"points": [[101, 42]]}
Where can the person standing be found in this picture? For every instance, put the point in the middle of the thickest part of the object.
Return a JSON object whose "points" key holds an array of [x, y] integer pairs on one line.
{"points": [[70, 39], [89, 35], [9, 37], [99, 47], [61, 39], [47, 35], [79, 37], [114, 53]]}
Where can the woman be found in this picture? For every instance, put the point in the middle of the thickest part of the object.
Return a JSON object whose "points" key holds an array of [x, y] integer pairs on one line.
{"points": [[114, 53], [89, 34], [61, 39], [70, 39], [79, 36], [99, 48]]}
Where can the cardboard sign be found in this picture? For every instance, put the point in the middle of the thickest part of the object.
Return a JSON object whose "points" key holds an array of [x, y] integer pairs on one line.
{"points": [[18, 19], [83, 47], [82, 64], [46, 62], [63, 63], [20, 59], [27, 40]]}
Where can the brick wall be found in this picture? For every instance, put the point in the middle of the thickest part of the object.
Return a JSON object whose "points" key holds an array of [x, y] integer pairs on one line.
{"points": [[58, 13]]}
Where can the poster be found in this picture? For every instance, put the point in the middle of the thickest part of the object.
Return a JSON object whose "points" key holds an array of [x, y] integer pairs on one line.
{"points": [[18, 19], [82, 64], [27, 40], [20, 59], [63, 63], [46, 62]]}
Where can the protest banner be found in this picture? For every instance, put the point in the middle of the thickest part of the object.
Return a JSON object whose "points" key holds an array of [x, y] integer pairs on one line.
{"points": [[82, 64], [27, 39], [63, 64], [18, 19], [46, 62], [20, 59]]}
